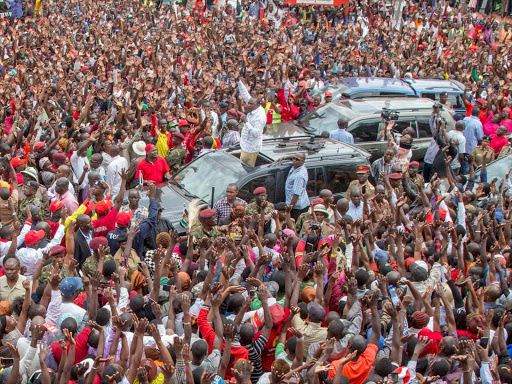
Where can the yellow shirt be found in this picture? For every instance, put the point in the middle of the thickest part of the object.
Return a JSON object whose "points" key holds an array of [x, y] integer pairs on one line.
{"points": [[162, 145]]}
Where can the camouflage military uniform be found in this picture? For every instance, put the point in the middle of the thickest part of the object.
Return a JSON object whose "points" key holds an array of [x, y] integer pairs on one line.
{"points": [[47, 271], [175, 158], [305, 216], [199, 232], [34, 202], [90, 264], [254, 208], [355, 183]]}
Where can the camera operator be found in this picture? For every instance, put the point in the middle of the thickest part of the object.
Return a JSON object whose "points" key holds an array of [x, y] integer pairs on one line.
{"points": [[433, 148]]}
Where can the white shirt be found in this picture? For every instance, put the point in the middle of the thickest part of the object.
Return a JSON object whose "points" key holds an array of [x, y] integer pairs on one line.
{"points": [[461, 146], [52, 193], [354, 212], [251, 137], [117, 165], [30, 257], [4, 246], [78, 164]]}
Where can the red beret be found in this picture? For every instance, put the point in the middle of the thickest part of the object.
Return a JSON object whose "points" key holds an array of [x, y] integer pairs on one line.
{"points": [[59, 156], [415, 163], [123, 218], [192, 121], [95, 243], [149, 147], [33, 236], [317, 200], [178, 135], [395, 176], [103, 206], [259, 190], [207, 213], [56, 205], [55, 250]]}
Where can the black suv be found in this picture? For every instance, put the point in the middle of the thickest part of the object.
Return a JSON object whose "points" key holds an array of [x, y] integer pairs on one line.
{"points": [[330, 165]]}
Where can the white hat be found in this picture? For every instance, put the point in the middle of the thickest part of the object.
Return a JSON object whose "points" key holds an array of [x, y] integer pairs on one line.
{"points": [[139, 147]]}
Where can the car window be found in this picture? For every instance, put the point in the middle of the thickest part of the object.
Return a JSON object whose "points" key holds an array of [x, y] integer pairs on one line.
{"points": [[315, 181], [423, 126], [201, 175], [405, 122], [337, 180], [323, 119], [427, 95], [385, 93], [267, 181], [360, 95], [365, 130], [455, 100]]}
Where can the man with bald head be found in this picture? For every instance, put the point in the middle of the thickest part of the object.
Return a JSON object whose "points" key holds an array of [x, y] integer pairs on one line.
{"points": [[63, 195], [251, 136], [84, 233], [355, 205]]}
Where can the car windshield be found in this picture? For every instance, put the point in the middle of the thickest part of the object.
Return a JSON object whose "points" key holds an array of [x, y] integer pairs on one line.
{"points": [[336, 90], [324, 118], [201, 175], [497, 169]]}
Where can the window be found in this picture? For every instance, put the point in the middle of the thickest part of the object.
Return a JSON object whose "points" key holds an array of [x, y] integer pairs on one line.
{"points": [[365, 130], [315, 181], [269, 182], [338, 179], [424, 126], [405, 122], [455, 100], [431, 96]]}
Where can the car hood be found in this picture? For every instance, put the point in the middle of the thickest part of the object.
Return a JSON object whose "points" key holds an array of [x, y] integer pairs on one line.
{"points": [[173, 201]]}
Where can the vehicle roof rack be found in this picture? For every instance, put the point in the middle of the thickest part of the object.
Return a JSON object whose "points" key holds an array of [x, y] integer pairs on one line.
{"points": [[311, 145]]}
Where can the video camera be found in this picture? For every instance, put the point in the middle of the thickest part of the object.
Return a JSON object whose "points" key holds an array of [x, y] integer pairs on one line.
{"points": [[438, 106], [389, 115]]}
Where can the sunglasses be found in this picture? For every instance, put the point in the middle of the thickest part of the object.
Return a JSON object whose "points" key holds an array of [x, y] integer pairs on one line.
{"points": [[296, 159]]}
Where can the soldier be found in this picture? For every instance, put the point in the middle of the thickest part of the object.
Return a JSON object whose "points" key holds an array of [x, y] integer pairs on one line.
{"points": [[99, 246], [362, 171], [29, 200], [260, 197], [176, 157], [57, 254], [208, 226], [30, 174]]}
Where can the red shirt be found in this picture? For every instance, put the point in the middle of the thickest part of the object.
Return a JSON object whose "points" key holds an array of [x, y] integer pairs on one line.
{"points": [[104, 225], [497, 143], [237, 352], [80, 349], [482, 116], [268, 355], [152, 171]]}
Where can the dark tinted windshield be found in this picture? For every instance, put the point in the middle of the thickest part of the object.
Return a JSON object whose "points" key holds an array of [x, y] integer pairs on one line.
{"points": [[336, 90], [324, 118], [206, 172], [497, 169]]}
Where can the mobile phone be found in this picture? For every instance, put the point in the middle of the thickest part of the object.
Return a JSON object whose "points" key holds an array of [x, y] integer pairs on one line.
{"points": [[484, 341], [394, 377], [166, 287], [7, 361]]}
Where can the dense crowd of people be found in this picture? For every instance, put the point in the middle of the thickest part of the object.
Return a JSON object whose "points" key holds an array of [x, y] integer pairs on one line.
{"points": [[404, 280]]}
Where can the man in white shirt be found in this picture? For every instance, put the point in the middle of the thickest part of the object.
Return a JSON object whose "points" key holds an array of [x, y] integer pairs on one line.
{"points": [[459, 141], [114, 169], [251, 136]]}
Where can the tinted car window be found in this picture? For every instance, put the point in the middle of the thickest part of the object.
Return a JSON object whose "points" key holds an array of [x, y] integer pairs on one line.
{"points": [[365, 130], [423, 126], [405, 122], [323, 119], [338, 179], [315, 181], [246, 192], [427, 95]]}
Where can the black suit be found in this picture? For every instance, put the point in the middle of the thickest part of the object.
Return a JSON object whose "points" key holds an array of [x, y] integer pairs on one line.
{"points": [[82, 250]]}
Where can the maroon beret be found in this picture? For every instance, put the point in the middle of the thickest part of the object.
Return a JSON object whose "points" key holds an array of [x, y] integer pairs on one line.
{"points": [[259, 190], [95, 243], [207, 213]]}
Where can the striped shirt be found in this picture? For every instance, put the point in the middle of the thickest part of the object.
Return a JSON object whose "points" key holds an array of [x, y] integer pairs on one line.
{"points": [[255, 349]]}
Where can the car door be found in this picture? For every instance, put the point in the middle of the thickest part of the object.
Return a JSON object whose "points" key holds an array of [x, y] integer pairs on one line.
{"points": [[338, 177], [366, 135], [422, 141]]}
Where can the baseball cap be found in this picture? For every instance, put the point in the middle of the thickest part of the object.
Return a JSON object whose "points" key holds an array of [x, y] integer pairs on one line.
{"points": [[70, 285]]}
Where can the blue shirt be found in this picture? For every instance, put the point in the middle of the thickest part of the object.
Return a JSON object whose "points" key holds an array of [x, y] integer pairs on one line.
{"points": [[16, 9], [341, 135], [473, 132], [296, 185]]}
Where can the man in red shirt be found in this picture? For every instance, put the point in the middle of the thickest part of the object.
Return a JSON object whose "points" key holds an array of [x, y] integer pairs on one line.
{"points": [[153, 167]]}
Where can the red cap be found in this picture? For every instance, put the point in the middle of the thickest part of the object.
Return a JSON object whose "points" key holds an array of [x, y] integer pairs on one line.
{"points": [[362, 168], [480, 100], [15, 161], [33, 236], [39, 145], [327, 94], [259, 190], [191, 120], [149, 147], [123, 218], [56, 205], [182, 123], [103, 206], [207, 213]]}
